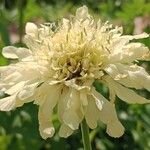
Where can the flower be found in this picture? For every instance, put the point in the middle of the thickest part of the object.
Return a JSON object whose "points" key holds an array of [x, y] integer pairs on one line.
{"points": [[59, 66]]}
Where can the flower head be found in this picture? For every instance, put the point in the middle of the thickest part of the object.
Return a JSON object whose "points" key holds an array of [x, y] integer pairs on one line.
{"points": [[59, 66]]}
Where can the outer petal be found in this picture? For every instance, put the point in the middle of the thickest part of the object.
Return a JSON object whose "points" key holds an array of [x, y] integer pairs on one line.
{"points": [[121, 41], [82, 13], [108, 115], [65, 131], [15, 53], [83, 97], [131, 76], [8, 103], [62, 103], [126, 94], [16, 88], [136, 51], [72, 115], [98, 102], [27, 91], [46, 127], [49, 101], [69, 108], [72, 83], [31, 29], [92, 113], [126, 52], [115, 129], [22, 71], [71, 119], [138, 36]]}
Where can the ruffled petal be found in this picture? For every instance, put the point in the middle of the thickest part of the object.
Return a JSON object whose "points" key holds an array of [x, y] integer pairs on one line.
{"points": [[138, 36], [126, 94], [72, 115], [45, 123], [72, 83], [115, 129], [92, 113], [82, 13], [62, 103], [108, 116], [16, 88], [130, 76], [15, 53], [71, 119], [70, 108], [8, 103], [126, 52], [98, 102], [65, 131], [31, 29], [27, 91], [83, 97], [49, 101]]}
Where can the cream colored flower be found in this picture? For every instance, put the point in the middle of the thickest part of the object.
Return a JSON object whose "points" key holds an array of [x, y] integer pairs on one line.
{"points": [[60, 65]]}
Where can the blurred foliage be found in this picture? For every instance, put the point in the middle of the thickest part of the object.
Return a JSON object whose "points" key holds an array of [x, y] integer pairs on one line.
{"points": [[19, 128]]}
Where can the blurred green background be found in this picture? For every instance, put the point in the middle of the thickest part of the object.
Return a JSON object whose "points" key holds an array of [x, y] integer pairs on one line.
{"points": [[19, 128]]}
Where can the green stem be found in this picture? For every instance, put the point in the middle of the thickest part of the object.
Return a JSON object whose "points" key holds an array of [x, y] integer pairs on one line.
{"points": [[85, 135], [20, 19]]}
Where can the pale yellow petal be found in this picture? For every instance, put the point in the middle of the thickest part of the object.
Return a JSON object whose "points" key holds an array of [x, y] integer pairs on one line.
{"points": [[72, 83], [127, 94], [138, 36], [71, 119], [115, 129], [27, 91], [82, 12], [72, 115], [141, 36], [65, 131], [98, 102], [108, 116], [48, 98], [83, 97], [8, 103], [92, 113], [15, 53], [62, 103], [69, 108], [45, 124], [31, 29], [10, 52], [130, 76], [16, 88], [126, 52], [65, 24]]}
